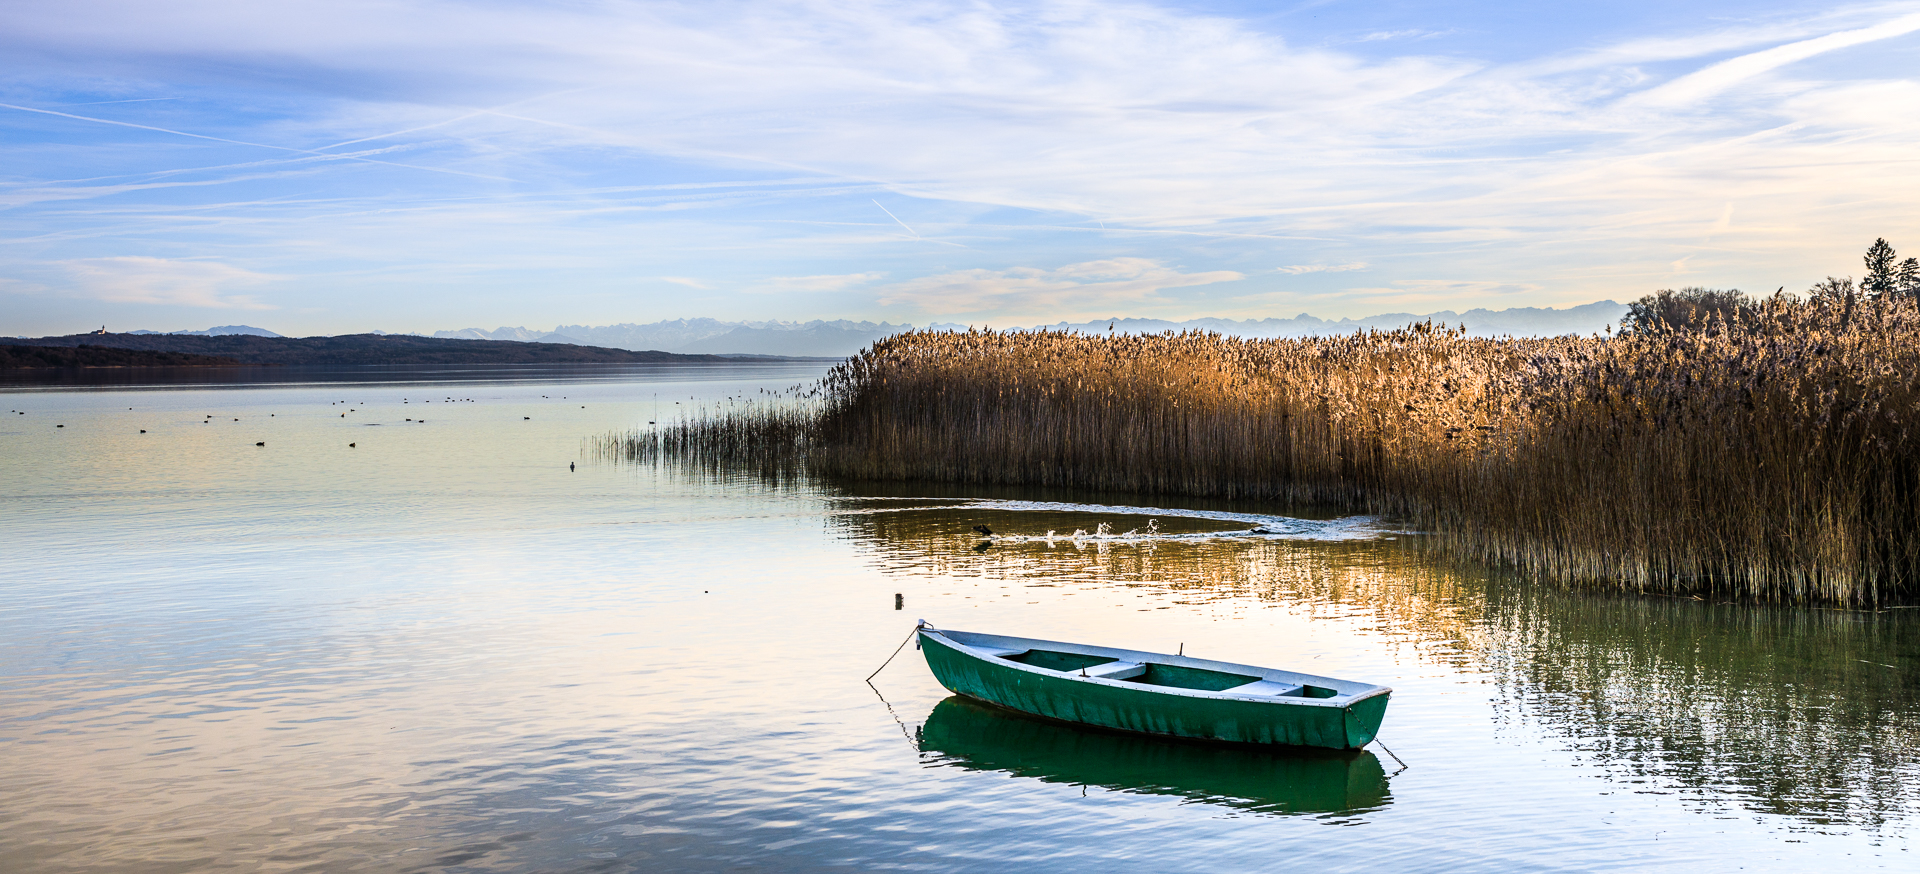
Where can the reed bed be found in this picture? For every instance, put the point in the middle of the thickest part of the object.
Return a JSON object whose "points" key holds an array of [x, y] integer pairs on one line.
{"points": [[768, 437], [1769, 457]]}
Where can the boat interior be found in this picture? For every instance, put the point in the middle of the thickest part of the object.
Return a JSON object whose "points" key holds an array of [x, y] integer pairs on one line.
{"points": [[1155, 674]]}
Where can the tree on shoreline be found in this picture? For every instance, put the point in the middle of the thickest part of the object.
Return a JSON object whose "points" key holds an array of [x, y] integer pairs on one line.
{"points": [[1887, 275], [1693, 308], [1689, 309]]}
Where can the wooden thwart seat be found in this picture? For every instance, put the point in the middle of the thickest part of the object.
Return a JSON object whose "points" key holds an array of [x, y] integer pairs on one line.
{"points": [[1115, 670], [1265, 687]]}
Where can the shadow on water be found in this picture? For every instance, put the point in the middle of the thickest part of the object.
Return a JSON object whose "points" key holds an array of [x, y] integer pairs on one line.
{"points": [[964, 734]]}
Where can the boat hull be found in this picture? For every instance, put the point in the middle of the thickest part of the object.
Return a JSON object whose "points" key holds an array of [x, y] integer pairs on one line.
{"points": [[1153, 710]]}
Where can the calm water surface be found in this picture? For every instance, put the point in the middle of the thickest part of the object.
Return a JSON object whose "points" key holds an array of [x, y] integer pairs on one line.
{"points": [[441, 649]]}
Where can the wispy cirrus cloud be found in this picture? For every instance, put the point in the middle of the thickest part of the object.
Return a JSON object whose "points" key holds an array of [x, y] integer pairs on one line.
{"points": [[1297, 269], [1406, 34], [1696, 86], [834, 282]]}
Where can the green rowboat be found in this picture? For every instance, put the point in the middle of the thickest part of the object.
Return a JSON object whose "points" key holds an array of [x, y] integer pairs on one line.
{"points": [[1155, 693]]}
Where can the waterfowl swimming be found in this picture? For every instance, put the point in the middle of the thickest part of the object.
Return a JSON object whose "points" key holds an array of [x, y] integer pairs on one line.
{"points": [[983, 530]]}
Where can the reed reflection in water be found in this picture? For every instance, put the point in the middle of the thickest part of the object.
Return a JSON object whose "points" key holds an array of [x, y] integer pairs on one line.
{"points": [[1811, 714]]}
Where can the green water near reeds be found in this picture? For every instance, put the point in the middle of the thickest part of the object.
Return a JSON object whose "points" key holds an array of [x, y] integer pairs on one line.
{"points": [[441, 649]]}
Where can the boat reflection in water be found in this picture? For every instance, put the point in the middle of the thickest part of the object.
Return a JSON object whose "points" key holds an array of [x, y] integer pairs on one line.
{"points": [[965, 734]]}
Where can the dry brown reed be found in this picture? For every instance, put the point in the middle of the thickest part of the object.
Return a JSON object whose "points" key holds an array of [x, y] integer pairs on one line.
{"points": [[1771, 458]]}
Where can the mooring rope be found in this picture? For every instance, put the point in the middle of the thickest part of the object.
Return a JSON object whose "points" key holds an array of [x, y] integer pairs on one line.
{"points": [[896, 650], [1403, 764], [904, 731]]}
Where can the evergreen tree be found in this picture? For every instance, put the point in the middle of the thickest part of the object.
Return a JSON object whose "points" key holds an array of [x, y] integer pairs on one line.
{"points": [[1906, 277], [1882, 270]]}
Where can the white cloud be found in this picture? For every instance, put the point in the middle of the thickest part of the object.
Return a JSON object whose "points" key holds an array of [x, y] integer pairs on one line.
{"points": [[1297, 269], [684, 280], [836, 282], [140, 279], [1066, 292]]}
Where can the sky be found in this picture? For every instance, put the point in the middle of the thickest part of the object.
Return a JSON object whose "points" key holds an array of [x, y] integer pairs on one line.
{"points": [[413, 165]]}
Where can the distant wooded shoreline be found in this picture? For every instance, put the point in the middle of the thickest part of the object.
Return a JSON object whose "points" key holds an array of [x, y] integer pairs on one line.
{"points": [[134, 350], [17, 357]]}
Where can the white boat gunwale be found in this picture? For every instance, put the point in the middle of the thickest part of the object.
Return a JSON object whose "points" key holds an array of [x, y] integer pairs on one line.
{"points": [[990, 648]]}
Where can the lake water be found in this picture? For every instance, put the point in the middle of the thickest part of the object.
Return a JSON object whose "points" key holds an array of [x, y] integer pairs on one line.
{"points": [[438, 648]]}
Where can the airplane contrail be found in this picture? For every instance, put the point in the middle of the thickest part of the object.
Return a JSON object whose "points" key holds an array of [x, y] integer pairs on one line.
{"points": [[181, 133], [916, 234]]}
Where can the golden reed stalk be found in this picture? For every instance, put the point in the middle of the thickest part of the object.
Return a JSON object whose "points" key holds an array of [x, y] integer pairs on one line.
{"points": [[1772, 459]]}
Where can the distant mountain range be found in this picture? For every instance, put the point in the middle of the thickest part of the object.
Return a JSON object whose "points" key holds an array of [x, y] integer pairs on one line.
{"points": [[838, 339], [221, 331]]}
